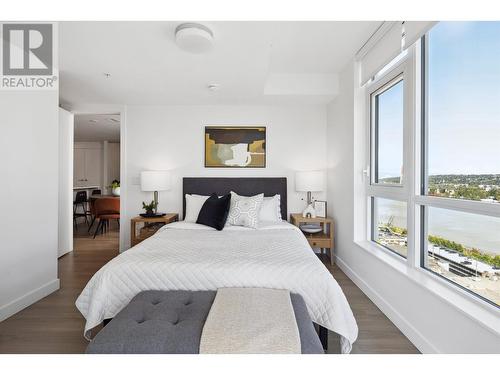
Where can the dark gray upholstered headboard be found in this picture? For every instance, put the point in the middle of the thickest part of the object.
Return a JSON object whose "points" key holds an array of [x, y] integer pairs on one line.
{"points": [[240, 185]]}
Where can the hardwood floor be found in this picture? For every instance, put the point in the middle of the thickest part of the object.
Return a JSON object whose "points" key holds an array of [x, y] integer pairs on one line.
{"points": [[54, 325], [377, 334]]}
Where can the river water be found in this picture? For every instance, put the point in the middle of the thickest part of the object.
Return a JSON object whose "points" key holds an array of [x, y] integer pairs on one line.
{"points": [[481, 232]]}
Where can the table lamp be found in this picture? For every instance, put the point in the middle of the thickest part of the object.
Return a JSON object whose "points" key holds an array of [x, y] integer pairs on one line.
{"points": [[155, 181], [309, 181]]}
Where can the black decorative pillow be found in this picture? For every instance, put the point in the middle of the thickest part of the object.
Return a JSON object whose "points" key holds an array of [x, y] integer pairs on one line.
{"points": [[214, 211]]}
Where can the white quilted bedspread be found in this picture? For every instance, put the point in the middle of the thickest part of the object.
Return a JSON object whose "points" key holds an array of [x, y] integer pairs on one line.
{"points": [[184, 256]]}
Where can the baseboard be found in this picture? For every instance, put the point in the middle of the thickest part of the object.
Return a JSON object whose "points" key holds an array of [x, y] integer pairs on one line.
{"points": [[394, 316], [22, 302], [63, 253]]}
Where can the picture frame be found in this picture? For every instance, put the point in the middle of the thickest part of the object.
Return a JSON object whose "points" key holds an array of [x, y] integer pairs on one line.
{"points": [[235, 146], [321, 208]]}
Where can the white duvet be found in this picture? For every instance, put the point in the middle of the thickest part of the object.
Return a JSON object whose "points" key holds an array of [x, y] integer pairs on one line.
{"points": [[188, 256]]}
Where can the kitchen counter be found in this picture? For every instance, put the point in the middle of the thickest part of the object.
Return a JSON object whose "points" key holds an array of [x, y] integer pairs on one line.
{"points": [[85, 187]]}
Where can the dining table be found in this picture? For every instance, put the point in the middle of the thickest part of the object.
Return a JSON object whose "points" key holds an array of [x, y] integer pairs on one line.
{"points": [[98, 196]]}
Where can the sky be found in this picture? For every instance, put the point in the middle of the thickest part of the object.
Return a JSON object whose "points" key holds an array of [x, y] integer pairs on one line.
{"points": [[464, 103], [390, 130]]}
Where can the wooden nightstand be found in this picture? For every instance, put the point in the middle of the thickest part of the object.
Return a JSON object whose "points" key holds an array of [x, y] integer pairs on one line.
{"points": [[322, 240], [149, 228]]}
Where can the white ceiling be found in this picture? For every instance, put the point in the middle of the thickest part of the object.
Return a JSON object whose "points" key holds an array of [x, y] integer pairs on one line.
{"points": [[97, 128], [254, 62]]}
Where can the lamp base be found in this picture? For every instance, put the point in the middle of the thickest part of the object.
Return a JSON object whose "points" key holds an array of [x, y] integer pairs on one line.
{"points": [[309, 212]]}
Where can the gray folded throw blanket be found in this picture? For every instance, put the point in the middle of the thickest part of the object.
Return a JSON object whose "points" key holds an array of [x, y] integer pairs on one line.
{"points": [[251, 321]]}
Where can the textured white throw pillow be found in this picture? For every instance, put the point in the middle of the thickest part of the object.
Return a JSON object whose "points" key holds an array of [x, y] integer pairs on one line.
{"points": [[270, 210], [193, 206], [244, 211]]}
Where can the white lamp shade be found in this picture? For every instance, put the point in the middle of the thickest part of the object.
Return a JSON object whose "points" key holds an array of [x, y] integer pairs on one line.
{"points": [[155, 180], [310, 181]]}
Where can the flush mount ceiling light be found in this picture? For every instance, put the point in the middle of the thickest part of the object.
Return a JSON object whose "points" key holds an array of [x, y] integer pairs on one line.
{"points": [[194, 37]]}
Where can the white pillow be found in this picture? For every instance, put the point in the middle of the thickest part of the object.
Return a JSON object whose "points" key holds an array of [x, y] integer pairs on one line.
{"points": [[270, 210], [193, 206], [244, 211]]}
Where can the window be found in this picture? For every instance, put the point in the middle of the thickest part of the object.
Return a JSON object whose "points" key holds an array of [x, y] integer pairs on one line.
{"points": [[387, 188], [388, 134], [389, 225], [463, 96], [394, 62], [433, 196], [462, 247], [461, 150]]}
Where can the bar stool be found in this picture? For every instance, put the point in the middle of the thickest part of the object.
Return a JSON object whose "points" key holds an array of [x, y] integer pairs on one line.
{"points": [[80, 201]]}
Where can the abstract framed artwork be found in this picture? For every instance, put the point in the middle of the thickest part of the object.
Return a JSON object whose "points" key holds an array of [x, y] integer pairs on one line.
{"points": [[235, 146]]}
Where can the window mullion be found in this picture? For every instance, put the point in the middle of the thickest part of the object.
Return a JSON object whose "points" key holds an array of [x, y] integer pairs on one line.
{"points": [[409, 157], [418, 133], [473, 207], [388, 192]]}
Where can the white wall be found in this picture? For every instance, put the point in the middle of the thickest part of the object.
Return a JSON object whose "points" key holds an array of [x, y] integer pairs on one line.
{"points": [[88, 162], [432, 322], [28, 198], [66, 131], [107, 165], [112, 164], [172, 138]]}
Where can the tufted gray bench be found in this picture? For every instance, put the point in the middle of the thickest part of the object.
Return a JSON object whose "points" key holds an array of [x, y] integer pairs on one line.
{"points": [[171, 322]]}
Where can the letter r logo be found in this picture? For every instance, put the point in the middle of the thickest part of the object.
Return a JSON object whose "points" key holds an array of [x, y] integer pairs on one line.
{"points": [[27, 49]]}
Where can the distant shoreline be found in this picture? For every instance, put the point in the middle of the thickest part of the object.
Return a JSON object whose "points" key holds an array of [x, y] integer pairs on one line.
{"points": [[471, 252]]}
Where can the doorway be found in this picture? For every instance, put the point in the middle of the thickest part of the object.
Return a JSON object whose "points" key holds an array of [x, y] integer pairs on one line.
{"points": [[96, 182]]}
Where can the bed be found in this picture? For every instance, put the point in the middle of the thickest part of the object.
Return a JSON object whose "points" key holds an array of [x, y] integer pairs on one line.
{"points": [[193, 257]]}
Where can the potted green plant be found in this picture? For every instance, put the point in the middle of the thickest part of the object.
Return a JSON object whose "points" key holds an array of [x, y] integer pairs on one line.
{"points": [[150, 208], [115, 188]]}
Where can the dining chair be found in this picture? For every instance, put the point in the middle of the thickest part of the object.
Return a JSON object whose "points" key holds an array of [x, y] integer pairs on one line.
{"points": [[91, 202], [91, 212], [106, 209]]}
